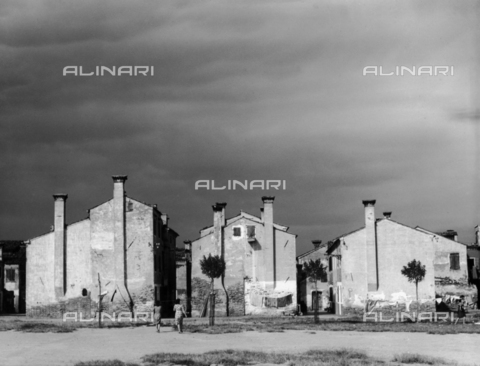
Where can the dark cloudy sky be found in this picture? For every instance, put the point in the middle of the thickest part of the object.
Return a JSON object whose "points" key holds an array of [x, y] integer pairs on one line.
{"points": [[242, 90]]}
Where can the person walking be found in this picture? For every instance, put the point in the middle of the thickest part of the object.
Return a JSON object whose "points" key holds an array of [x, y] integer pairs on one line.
{"points": [[179, 315], [156, 315], [461, 310]]}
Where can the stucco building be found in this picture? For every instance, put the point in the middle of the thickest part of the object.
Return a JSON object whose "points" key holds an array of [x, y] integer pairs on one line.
{"points": [[260, 276], [365, 266], [308, 295], [124, 245]]}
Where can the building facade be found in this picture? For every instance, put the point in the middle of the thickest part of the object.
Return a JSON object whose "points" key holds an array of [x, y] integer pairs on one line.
{"points": [[123, 251], [12, 277], [260, 276], [184, 276], [309, 293], [365, 266]]}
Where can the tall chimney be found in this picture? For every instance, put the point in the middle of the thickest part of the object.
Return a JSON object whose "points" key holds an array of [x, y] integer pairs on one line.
{"points": [[371, 245], [119, 231], [188, 250], [269, 243], [164, 218], [222, 204], [218, 227], [477, 235], [316, 243], [60, 266]]}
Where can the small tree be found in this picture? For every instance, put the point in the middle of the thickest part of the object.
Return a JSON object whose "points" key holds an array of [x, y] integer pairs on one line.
{"points": [[415, 272], [314, 271], [212, 267]]}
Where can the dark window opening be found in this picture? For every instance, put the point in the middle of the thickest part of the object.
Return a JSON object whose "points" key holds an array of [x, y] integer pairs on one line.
{"points": [[330, 263], [10, 275], [84, 292], [454, 261], [237, 231], [251, 232]]}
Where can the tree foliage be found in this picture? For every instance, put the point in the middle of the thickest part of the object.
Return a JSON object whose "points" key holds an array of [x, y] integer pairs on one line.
{"points": [[414, 271], [212, 266], [314, 270]]}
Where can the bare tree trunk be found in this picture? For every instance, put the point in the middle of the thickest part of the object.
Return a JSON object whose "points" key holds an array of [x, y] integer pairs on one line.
{"points": [[99, 302], [315, 310], [211, 320], [418, 304]]}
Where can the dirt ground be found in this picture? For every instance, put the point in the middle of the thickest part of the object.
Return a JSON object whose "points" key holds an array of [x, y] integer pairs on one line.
{"points": [[129, 344]]}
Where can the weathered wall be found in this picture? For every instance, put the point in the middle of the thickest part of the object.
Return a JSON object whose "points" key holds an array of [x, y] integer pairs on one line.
{"points": [[243, 264], [307, 287], [397, 245], [40, 269], [101, 218], [90, 252], [139, 257], [450, 281], [79, 269]]}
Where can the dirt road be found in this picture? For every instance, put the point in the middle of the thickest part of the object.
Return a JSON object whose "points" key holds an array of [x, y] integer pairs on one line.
{"points": [[129, 344]]}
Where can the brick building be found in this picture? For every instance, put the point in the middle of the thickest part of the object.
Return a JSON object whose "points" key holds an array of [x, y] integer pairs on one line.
{"points": [[260, 276], [308, 296], [12, 276], [124, 243], [365, 266]]}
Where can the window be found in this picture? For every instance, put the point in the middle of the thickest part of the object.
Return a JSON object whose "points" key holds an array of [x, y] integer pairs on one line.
{"points": [[454, 261], [10, 275], [471, 262], [251, 232], [237, 231], [84, 292], [330, 263]]}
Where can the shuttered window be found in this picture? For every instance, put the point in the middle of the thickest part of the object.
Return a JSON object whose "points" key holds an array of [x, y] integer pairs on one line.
{"points": [[454, 261]]}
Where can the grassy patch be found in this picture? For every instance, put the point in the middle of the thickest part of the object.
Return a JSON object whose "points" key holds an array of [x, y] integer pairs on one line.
{"points": [[37, 327], [57, 326], [106, 363], [307, 324], [342, 357], [420, 359]]}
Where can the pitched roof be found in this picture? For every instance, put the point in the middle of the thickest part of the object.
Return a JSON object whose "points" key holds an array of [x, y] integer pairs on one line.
{"points": [[432, 233]]}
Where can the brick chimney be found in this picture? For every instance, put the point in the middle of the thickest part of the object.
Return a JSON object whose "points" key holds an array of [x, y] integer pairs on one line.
{"points": [[218, 209], [316, 243], [223, 220], [269, 263], [371, 245], [119, 231], [60, 266]]}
